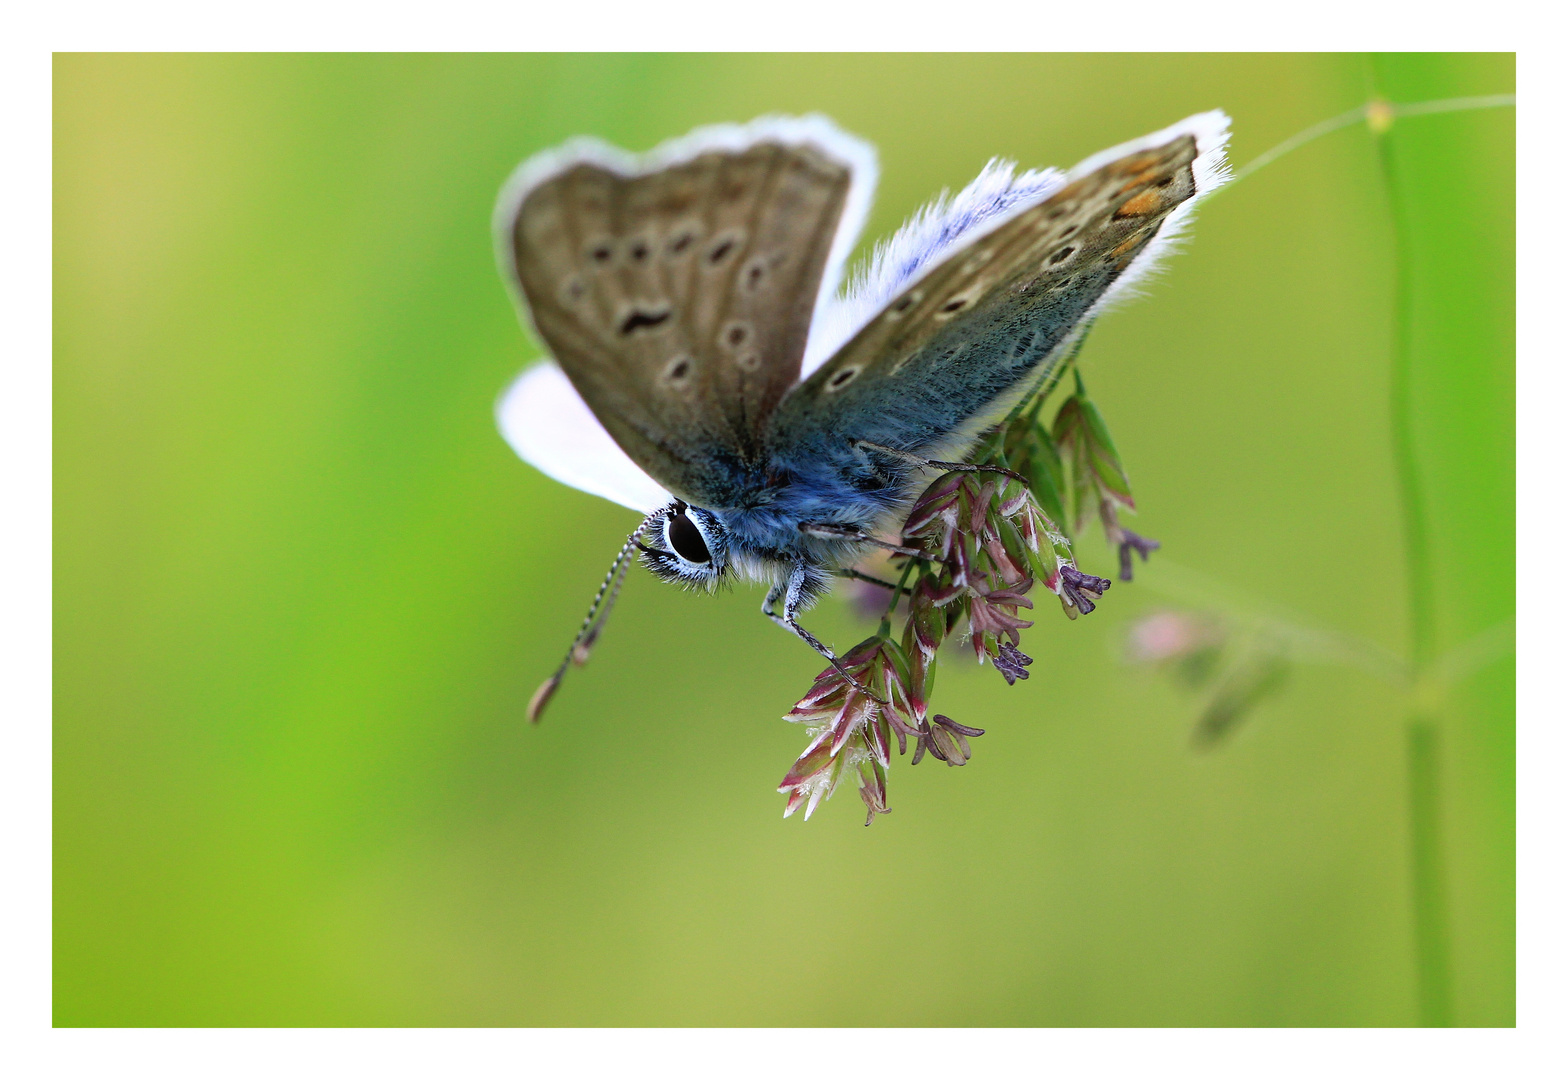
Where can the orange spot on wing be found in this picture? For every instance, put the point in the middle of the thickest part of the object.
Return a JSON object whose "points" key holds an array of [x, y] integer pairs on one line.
{"points": [[1139, 205], [1142, 179], [1127, 245]]}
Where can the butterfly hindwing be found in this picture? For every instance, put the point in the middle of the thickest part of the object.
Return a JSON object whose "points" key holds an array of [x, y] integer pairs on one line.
{"points": [[962, 340], [678, 301]]}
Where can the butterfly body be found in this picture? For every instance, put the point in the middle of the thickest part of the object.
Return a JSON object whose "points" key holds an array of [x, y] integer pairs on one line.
{"points": [[689, 299]]}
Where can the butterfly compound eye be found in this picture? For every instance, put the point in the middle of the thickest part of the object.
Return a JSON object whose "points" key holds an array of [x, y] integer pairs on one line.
{"points": [[687, 539]]}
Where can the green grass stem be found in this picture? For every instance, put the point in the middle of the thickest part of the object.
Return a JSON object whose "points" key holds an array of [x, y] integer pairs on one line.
{"points": [[1434, 995]]}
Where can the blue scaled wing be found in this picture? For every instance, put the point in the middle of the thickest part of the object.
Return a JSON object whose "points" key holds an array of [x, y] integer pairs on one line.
{"points": [[957, 345]]}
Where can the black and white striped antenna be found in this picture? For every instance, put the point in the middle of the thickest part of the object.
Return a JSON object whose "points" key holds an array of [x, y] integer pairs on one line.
{"points": [[593, 624]]}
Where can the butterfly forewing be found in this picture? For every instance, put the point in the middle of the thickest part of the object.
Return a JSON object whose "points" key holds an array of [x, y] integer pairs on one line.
{"points": [[950, 348], [678, 302]]}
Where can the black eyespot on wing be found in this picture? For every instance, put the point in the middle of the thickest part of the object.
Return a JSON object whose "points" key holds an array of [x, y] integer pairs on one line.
{"points": [[723, 248], [843, 378], [1062, 254], [687, 540], [643, 320]]}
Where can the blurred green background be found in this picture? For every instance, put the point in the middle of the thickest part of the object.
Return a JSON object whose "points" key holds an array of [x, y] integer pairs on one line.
{"points": [[303, 590]]}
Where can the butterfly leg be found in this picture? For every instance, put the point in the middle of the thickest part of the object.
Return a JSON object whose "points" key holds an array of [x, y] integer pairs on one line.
{"points": [[824, 530], [793, 592], [927, 463], [851, 572]]}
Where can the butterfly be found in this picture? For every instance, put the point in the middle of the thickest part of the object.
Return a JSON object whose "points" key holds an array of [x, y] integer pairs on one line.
{"points": [[708, 373]]}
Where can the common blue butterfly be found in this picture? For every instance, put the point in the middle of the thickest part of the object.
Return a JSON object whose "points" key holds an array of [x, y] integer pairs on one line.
{"points": [[709, 374]]}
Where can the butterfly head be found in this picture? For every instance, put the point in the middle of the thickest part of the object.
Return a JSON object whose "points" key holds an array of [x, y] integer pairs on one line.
{"points": [[685, 544]]}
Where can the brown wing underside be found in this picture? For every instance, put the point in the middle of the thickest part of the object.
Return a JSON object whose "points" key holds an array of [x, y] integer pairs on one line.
{"points": [[1025, 285], [678, 302]]}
